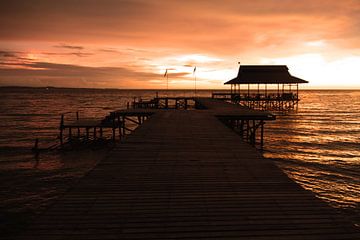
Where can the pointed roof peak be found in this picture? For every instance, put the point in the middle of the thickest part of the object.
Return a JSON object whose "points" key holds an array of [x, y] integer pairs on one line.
{"points": [[264, 74]]}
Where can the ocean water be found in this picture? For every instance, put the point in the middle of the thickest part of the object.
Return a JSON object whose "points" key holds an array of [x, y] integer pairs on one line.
{"points": [[318, 145]]}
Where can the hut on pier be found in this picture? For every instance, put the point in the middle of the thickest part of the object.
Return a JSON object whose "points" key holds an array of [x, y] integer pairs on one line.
{"points": [[265, 87]]}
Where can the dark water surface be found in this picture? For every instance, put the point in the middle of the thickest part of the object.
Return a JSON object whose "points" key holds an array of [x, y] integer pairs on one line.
{"points": [[318, 146]]}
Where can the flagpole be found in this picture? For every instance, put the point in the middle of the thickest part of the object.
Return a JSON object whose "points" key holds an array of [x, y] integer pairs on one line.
{"points": [[194, 72], [195, 84], [167, 81]]}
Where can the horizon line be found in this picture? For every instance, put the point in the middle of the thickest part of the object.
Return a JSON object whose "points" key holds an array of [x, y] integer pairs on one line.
{"points": [[175, 89]]}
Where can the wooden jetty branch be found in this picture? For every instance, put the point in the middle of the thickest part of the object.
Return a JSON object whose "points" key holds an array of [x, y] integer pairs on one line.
{"points": [[241, 119], [185, 175], [87, 125], [114, 121]]}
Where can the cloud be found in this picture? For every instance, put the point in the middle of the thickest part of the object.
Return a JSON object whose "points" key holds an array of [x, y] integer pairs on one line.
{"points": [[78, 54], [8, 54], [109, 50], [226, 27], [71, 47], [76, 75], [8, 57]]}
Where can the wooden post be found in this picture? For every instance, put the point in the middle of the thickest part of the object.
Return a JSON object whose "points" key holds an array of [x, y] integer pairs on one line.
{"points": [[297, 92], [242, 128], [36, 146], [101, 132], [156, 102], [113, 134], [70, 133], [254, 133], [94, 133], [262, 133], [78, 129], [247, 130], [266, 91], [61, 129], [119, 123], [113, 128], [123, 126]]}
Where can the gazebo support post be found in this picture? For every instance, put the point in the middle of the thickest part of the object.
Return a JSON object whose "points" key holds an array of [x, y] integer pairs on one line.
{"points": [[297, 92]]}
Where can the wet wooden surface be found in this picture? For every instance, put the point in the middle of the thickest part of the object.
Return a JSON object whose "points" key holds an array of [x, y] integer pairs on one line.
{"points": [[184, 175]]}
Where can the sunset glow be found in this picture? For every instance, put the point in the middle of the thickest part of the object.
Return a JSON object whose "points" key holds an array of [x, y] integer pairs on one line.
{"points": [[130, 44]]}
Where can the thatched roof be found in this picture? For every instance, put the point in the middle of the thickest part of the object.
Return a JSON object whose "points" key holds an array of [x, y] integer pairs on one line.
{"points": [[264, 74]]}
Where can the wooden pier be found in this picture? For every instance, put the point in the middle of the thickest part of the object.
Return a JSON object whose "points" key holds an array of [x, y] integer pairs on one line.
{"points": [[86, 127], [185, 175], [92, 129]]}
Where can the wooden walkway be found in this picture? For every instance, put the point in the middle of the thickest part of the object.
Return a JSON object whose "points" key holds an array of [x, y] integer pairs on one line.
{"points": [[221, 108], [184, 175]]}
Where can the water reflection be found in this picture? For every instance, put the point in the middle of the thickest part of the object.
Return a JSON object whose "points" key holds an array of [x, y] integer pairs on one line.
{"points": [[319, 146]]}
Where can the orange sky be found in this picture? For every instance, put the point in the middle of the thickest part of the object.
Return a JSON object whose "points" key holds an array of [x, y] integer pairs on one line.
{"points": [[129, 44]]}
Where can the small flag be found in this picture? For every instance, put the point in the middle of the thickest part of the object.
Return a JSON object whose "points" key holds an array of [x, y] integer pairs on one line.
{"points": [[165, 73], [194, 70]]}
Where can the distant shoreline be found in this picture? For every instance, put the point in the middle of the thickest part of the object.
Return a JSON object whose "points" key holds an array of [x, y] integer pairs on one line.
{"points": [[154, 89]]}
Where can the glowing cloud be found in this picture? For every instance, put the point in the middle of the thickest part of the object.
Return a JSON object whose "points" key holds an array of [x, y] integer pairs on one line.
{"points": [[135, 41]]}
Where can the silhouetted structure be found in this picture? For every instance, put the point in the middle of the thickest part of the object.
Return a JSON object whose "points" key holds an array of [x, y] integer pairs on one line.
{"points": [[92, 129], [284, 96]]}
